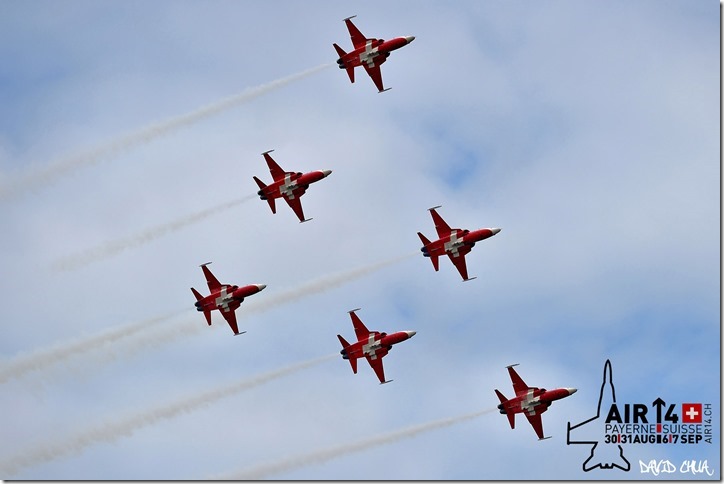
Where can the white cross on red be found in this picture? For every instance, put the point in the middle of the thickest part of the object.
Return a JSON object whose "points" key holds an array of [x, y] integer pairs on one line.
{"points": [[692, 413], [287, 188]]}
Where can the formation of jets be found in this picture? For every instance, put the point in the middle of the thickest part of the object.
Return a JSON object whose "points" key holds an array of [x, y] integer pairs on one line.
{"points": [[371, 53]]}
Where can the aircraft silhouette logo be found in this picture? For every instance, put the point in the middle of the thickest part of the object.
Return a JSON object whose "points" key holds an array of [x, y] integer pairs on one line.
{"points": [[603, 455]]}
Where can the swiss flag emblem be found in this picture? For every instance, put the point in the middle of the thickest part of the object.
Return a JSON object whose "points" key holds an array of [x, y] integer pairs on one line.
{"points": [[691, 413]]}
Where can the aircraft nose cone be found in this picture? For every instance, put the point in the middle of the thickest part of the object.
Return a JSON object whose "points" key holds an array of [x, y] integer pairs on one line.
{"points": [[571, 391], [326, 173], [410, 38], [261, 286], [410, 334], [495, 231]]}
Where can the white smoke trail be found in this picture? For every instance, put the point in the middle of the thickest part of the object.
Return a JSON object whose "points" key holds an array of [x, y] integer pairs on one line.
{"points": [[44, 357], [323, 455], [55, 170], [112, 430], [114, 247], [168, 333], [321, 284], [145, 335]]}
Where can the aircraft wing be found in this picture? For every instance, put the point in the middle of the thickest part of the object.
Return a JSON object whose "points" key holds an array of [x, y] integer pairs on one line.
{"points": [[376, 74], [460, 265], [230, 317], [360, 330], [518, 384], [296, 205], [537, 423], [214, 284], [443, 229], [358, 40], [376, 364], [276, 171]]}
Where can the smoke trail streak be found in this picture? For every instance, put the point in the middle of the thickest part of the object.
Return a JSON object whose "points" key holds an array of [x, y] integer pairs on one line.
{"points": [[55, 170], [321, 284], [323, 455], [112, 430], [114, 247], [191, 327], [44, 357]]}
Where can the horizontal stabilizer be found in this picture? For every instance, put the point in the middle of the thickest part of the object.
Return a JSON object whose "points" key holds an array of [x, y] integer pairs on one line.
{"points": [[379, 92], [343, 341], [470, 279], [237, 334], [261, 184], [545, 438], [199, 297], [425, 240], [340, 51], [386, 381]]}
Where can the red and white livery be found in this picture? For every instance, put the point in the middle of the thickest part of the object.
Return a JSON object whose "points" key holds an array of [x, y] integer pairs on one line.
{"points": [[530, 401], [224, 297], [456, 243], [368, 53], [287, 185], [372, 345]]}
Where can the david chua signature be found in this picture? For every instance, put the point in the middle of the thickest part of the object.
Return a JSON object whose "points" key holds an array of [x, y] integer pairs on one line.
{"points": [[657, 467]]}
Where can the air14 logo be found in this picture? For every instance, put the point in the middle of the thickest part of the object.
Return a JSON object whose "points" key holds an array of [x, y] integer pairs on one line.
{"points": [[659, 423]]}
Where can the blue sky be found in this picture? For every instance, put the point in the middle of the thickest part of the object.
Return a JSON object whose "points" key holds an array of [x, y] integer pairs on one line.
{"points": [[587, 131]]}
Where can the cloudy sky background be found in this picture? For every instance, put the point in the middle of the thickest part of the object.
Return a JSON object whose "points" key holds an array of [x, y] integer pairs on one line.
{"points": [[587, 131]]}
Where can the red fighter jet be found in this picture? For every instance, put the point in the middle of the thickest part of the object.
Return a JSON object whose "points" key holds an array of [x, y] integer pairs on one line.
{"points": [[287, 185], [456, 243], [530, 401], [369, 53], [224, 297], [373, 345]]}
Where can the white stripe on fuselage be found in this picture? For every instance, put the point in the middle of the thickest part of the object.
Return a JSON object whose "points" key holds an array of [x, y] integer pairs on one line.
{"points": [[370, 349], [222, 302], [529, 402], [453, 244], [287, 188], [369, 54]]}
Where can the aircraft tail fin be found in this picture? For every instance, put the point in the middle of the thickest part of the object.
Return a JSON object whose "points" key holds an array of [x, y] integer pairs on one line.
{"points": [[270, 200], [503, 401], [261, 184], [340, 51], [199, 297], [425, 240], [433, 258], [342, 54], [352, 360]]}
